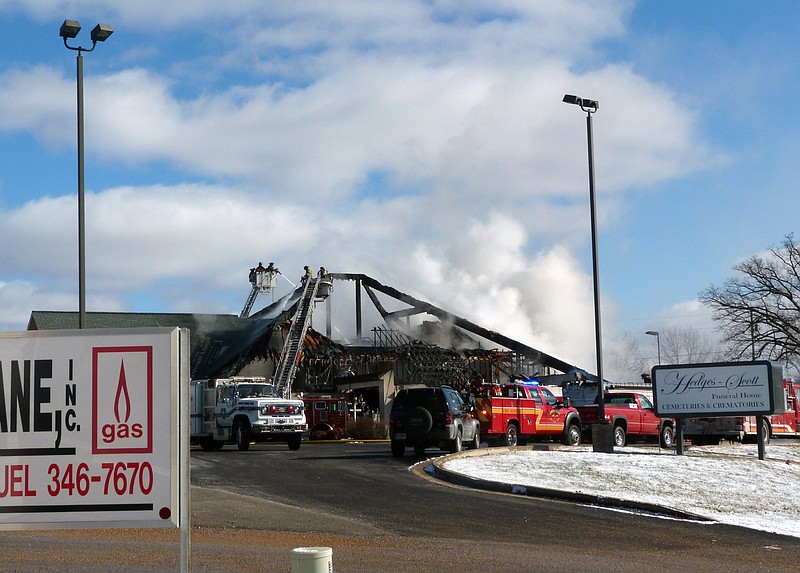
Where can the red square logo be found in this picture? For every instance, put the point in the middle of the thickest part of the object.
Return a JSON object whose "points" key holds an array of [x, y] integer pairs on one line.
{"points": [[122, 400]]}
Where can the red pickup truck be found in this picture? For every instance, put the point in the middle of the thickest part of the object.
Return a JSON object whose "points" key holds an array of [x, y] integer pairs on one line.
{"points": [[511, 414], [631, 415]]}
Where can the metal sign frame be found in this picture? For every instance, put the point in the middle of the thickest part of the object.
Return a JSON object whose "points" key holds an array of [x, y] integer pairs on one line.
{"points": [[717, 389]]}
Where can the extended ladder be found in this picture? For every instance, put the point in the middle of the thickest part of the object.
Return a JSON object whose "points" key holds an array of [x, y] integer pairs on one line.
{"points": [[248, 306], [287, 367]]}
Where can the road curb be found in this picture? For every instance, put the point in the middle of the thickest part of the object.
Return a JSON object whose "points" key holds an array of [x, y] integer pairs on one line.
{"points": [[438, 470]]}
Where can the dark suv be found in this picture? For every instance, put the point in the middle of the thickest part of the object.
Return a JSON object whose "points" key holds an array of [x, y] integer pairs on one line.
{"points": [[431, 417]]}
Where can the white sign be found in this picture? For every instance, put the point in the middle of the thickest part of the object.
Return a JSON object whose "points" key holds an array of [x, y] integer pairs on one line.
{"points": [[90, 427], [717, 389]]}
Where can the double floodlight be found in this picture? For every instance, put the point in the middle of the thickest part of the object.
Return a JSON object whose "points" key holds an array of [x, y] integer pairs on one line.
{"points": [[587, 105], [70, 29]]}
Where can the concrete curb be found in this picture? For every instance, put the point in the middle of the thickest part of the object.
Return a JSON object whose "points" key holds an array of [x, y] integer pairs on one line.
{"points": [[436, 469]]}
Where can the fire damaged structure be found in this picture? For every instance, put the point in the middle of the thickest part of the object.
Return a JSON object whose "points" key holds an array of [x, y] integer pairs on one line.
{"points": [[279, 342]]}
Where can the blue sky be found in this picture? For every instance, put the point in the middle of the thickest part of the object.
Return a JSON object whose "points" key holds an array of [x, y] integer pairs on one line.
{"points": [[422, 143]]}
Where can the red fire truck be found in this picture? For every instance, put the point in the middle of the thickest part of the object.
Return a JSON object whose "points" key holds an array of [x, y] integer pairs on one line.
{"points": [[327, 416], [744, 428], [514, 413]]}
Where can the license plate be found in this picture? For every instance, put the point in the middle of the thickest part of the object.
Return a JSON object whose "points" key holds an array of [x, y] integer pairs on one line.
{"points": [[400, 436]]}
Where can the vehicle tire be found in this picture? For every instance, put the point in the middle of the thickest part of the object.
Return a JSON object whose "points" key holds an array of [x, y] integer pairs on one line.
{"points": [[398, 448], [766, 432], [572, 435], [295, 441], [419, 450], [512, 435], [619, 436], [455, 443], [242, 436], [667, 436], [475, 442], [209, 444], [418, 422]]}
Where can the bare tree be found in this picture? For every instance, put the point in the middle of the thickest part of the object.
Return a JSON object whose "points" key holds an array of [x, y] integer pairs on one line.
{"points": [[759, 309], [687, 345], [627, 364]]}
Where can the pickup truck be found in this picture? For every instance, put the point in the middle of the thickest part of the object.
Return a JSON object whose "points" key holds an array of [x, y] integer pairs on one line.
{"points": [[511, 414], [632, 416]]}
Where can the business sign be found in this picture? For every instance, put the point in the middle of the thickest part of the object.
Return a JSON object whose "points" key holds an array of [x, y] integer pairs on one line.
{"points": [[718, 389], [90, 427]]}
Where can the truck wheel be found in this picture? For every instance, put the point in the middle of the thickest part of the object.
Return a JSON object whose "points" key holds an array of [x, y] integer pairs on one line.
{"points": [[242, 434], [512, 435], [398, 448], [619, 436], [295, 441], [572, 435], [667, 437], [766, 431], [455, 444], [209, 444]]}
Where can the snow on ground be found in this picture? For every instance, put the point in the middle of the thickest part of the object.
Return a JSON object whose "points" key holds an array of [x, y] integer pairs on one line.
{"points": [[728, 484]]}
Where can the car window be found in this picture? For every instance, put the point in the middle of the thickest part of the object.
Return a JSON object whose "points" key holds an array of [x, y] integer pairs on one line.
{"points": [[549, 397], [646, 405], [454, 401], [428, 399]]}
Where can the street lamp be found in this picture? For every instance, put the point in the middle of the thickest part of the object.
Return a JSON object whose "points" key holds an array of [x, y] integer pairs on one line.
{"points": [[100, 33], [658, 343], [590, 107]]}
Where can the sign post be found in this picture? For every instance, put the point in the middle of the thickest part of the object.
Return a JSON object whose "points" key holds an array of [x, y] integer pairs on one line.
{"points": [[718, 390], [92, 429]]}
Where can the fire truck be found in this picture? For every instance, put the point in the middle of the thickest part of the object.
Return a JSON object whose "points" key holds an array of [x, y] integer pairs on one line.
{"points": [[327, 414], [703, 431], [242, 410], [513, 413]]}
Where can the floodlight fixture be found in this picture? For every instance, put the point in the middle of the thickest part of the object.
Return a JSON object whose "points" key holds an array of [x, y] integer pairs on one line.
{"points": [[587, 105], [101, 32], [69, 29]]}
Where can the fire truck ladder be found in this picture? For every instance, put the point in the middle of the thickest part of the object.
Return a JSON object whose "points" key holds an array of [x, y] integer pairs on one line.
{"points": [[287, 367], [248, 306]]}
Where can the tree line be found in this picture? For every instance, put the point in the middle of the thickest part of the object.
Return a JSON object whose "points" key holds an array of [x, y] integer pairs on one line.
{"points": [[757, 313]]}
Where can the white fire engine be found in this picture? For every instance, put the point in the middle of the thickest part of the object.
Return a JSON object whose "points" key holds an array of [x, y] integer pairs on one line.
{"points": [[243, 410]]}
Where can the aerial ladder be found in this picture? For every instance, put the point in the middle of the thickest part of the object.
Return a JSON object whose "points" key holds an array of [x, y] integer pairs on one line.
{"points": [[293, 346]]}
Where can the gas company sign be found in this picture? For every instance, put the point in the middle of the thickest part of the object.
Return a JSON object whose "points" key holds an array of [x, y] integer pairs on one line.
{"points": [[718, 389], [90, 427]]}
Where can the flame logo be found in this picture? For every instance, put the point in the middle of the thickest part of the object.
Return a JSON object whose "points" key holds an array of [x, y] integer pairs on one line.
{"points": [[122, 397]]}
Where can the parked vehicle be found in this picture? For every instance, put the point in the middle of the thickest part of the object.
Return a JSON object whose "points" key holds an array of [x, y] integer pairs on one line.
{"points": [[327, 416], [514, 413], [702, 431], [241, 411], [631, 416], [428, 417]]}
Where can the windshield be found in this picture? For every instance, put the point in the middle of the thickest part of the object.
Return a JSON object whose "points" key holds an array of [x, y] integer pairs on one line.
{"points": [[256, 391]]}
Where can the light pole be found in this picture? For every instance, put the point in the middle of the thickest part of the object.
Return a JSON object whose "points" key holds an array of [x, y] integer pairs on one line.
{"points": [[658, 343], [101, 32], [590, 107]]}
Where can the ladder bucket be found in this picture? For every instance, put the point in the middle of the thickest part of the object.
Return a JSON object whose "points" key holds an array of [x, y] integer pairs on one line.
{"points": [[324, 289]]}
